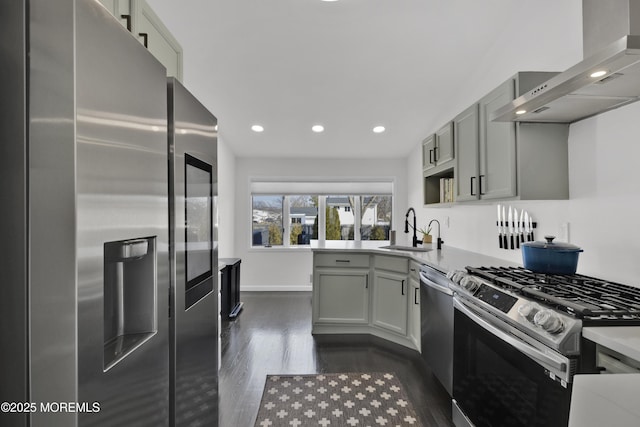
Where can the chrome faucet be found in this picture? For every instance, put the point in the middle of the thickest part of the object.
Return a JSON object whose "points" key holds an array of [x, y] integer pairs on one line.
{"points": [[415, 241], [439, 240]]}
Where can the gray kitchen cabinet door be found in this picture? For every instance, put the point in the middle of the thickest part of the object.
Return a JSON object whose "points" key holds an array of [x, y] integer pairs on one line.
{"points": [[428, 150], [390, 295], [497, 179], [152, 33], [121, 10], [444, 149], [414, 312], [341, 295], [466, 134]]}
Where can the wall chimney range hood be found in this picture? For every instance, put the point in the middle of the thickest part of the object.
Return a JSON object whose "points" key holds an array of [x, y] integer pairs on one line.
{"points": [[608, 77]]}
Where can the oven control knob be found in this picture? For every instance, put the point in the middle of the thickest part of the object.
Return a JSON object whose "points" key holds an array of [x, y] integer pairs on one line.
{"points": [[469, 284], [549, 321], [456, 276], [528, 311]]}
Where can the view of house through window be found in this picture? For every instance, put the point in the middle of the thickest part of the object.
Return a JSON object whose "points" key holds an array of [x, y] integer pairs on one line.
{"points": [[267, 220], [303, 212], [292, 220]]}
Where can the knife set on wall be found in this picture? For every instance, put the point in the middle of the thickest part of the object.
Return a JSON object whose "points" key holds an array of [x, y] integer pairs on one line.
{"points": [[514, 227]]}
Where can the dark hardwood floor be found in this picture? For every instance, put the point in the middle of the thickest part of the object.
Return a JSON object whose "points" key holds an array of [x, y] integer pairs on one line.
{"points": [[272, 335]]}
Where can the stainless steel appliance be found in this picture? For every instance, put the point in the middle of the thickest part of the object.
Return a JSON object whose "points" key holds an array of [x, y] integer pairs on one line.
{"points": [[193, 191], [85, 262], [436, 323], [518, 342]]}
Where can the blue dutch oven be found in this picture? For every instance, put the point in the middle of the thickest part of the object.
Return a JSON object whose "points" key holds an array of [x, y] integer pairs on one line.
{"points": [[549, 257]]}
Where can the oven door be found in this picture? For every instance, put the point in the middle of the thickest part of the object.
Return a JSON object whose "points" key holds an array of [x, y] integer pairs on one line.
{"points": [[497, 384]]}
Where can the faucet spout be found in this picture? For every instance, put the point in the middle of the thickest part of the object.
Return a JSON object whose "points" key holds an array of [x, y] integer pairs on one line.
{"points": [[439, 240], [415, 240]]}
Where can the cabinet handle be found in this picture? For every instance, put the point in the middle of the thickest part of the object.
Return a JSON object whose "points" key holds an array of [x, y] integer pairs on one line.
{"points": [[402, 287], [431, 156], [435, 154], [415, 296], [471, 183], [480, 184], [127, 19], [413, 269], [145, 39], [366, 281], [343, 260]]}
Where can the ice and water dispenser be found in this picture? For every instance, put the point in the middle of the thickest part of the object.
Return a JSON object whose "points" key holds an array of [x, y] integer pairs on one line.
{"points": [[129, 296]]}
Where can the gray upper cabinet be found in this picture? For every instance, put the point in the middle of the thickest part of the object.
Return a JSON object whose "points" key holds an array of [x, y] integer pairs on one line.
{"points": [[142, 22], [437, 149], [502, 160], [152, 33], [466, 145], [497, 147], [428, 147]]}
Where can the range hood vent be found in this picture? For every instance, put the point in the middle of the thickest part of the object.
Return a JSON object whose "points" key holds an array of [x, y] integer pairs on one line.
{"points": [[608, 78]]}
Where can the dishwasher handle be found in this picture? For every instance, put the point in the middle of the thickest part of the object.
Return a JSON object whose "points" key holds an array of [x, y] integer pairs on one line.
{"points": [[428, 282]]}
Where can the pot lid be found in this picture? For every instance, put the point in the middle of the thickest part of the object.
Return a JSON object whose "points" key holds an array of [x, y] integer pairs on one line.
{"points": [[554, 246]]}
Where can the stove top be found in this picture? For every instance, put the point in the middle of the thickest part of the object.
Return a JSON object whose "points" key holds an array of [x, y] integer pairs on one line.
{"points": [[594, 301]]}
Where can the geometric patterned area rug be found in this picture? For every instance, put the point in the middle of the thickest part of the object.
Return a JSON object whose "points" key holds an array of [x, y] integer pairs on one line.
{"points": [[352, 400]]}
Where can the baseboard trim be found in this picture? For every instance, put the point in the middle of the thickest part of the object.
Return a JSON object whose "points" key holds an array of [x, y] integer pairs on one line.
{"points": [[269, 288]]}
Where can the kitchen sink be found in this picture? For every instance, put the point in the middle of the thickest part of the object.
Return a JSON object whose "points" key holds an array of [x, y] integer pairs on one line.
{"points": [[406, 248]]}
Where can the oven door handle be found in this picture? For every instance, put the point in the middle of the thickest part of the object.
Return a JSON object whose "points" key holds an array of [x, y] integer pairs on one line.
{"points": [[530, 351]]}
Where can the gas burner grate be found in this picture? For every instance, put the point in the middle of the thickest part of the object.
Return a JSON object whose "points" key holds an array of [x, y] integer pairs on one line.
{"points": [[578, 295]]}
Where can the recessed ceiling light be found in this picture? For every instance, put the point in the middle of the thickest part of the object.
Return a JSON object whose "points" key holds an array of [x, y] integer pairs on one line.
{"points": [[378, 129], [329, 0], [257, 128], [598, 74], [317, 128], [521, 112]]}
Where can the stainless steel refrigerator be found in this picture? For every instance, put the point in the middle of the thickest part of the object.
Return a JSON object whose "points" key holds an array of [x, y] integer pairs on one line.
{"points": [[193, 191], [85, 265]]}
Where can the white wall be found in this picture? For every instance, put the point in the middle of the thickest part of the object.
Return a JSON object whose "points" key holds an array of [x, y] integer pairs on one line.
{"points": [[290, 269], [603, 210], [226, 200]]}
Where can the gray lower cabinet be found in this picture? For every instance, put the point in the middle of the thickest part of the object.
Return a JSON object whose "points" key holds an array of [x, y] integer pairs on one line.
{"points": [[341, 295], [390, 301], [413, 315], [503, 160], [359, 293]]}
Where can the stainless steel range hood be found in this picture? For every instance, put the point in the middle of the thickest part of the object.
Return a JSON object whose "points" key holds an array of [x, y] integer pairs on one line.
{"points": [[606, 79]]}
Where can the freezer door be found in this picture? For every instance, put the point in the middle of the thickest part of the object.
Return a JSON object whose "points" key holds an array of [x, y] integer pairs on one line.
{"points": [[122, 225], [194, 249]]}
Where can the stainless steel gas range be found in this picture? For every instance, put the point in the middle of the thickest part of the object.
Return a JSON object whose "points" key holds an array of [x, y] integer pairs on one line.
{"points": [[518, 342]]}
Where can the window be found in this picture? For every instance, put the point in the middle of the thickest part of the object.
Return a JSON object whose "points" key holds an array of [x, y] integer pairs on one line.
{"points": [[376, 217], [267, 220], [303, 211], [284, 218], [340, 221]]}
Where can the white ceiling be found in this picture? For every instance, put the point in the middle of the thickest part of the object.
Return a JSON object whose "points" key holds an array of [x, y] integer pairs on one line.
{"points": [[350, 65]]}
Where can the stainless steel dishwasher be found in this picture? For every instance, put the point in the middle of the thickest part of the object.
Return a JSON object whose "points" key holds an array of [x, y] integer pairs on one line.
{"points": [[436, 323]]}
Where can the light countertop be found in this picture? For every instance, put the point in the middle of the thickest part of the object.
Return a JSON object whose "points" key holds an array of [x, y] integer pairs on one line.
{"points": [[445, 260], [605, 400], [622, 339]]}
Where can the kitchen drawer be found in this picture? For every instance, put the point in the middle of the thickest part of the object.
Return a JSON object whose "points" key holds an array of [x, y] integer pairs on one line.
{"points": [[391, 263], [341, 259]]}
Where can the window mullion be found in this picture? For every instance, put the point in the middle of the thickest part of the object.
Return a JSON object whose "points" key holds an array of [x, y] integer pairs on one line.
{"points": [[356, 218], [286, 222], [322, 218]]}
